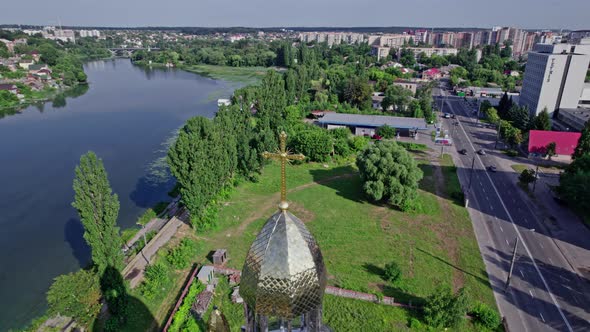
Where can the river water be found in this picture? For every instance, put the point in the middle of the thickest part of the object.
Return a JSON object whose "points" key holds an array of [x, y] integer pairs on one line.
{"points": [[127, 116]]}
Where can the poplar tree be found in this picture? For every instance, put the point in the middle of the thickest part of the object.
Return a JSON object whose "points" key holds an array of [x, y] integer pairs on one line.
{"points": [[98, 208]]}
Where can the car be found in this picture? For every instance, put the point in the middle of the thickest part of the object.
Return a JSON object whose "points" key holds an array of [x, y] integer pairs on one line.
{"points": [[376, 137], [452, 116], [481, 152], [446, 115], [463, 152], [492, 168]]}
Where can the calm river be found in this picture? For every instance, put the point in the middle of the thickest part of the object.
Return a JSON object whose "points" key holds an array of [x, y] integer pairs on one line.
{"points": [[126, 117]]}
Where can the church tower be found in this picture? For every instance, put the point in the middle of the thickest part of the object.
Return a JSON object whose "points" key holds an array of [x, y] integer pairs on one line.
{"points": [[284, 276]]}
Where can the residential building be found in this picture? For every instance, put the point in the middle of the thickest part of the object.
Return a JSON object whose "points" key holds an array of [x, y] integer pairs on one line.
{"points": [[380, 52], [412, 86], [554, 76], [9, 87], [431, 74], [429, 51], [89, 33]]}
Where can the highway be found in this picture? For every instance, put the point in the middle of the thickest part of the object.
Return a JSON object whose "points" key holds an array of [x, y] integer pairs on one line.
{"points": [[545, 292]]}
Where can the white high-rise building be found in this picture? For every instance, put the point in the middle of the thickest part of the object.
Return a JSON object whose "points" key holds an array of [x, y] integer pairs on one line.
{"points": [[554, 76]]}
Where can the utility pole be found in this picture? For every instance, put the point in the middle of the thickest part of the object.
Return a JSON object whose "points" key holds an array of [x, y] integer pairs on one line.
{"points": [[512, 263], [442, 146], [498, 135], [536, 177]]}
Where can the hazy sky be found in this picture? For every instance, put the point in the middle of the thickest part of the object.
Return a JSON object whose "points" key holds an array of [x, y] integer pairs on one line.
{"points": [[573, 14]]}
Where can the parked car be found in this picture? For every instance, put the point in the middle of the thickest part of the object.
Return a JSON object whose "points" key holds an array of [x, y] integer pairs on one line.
{"points": [[463, 151], [446, 116], [377, 137], [481, 152], [492, 168]]}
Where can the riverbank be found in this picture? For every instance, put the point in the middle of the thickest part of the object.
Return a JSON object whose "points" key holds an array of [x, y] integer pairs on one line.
{"points": [[246, 75]]}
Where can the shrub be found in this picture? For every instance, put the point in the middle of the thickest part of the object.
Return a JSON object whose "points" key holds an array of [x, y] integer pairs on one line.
{"points": [[359, 143], [526, 176], [386, 131], [392, 272], [155, 276], [485, 316], [181, 256], [315, 143], [445, 309], [146, 217], [342, 148], [180, 317], [340, 133]]}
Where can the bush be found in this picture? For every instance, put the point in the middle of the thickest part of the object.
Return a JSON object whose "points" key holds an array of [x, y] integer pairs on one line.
{"points": [[155, 276], [485, 316], [386, 131], [392, 272], [313, 142], [342, 148], [526, 176], [359, 143], [146, 217], [340, 133], [511, 153], [445, 309], [181, 256], [180, 317]]}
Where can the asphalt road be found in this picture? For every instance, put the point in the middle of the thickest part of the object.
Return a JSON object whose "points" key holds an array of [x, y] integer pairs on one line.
{"points": [[545, 292]]}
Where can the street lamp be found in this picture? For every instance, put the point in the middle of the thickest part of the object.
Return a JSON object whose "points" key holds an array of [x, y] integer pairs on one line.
{"points": [[143, 229]]}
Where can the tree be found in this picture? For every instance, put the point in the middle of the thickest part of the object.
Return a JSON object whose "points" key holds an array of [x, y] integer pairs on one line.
{"points": [[389, 173], [574, 184], [492, 115], [392, 272], [202, 160], [526, 176], [407, 57], [98, 208], [396, 96], [445, 309], [550, 150], [356, 92], [76, 295], [583, 146], [520, 117], [313, 142], [386, 131], [542, 121]]}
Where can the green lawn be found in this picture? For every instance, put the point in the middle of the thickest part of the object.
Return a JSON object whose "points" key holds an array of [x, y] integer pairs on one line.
{"points": [[433, 246], [518, 168]]}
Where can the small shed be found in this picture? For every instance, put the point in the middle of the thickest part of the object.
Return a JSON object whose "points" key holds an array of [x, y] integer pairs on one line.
{"points": [[219, 257], [206, 274]]}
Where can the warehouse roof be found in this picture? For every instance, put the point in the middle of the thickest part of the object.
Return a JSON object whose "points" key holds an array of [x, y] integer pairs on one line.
{"points": [[362, 120]]}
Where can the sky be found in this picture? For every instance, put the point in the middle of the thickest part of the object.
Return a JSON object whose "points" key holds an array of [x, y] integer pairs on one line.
{"points": [[528, 14]]}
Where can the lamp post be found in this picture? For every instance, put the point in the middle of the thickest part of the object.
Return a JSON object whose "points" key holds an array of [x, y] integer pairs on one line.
{"points": [[144, 243], [536, 177]]}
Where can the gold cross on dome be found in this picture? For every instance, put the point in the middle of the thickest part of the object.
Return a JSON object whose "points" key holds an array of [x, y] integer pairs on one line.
{"points": [[284, 157]]}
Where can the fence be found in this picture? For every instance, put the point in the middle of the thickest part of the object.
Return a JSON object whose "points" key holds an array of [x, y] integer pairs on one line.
{"points": [[182, 295]]}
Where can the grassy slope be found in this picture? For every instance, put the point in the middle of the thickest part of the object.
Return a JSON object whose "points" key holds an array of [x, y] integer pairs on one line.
{"points": [[248, 75], [358, 238]]}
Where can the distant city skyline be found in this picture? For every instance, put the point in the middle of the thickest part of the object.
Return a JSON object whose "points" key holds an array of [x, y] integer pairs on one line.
{"points": [[527, 14]]}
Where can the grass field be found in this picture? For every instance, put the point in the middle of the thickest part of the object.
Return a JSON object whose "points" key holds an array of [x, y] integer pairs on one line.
{"points": [[433, 246], [518, 168]]}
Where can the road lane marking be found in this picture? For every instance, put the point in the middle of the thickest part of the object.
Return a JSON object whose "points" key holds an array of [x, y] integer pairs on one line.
{"points": [[507, 242], [550, 261], [565, 320], [543, 318], [487, 198], [522, 274], [502, 229], [540, 244]]}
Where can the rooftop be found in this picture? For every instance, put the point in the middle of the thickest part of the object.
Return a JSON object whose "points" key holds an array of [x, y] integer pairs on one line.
{"points": [[565, 142], [362, 120]]}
